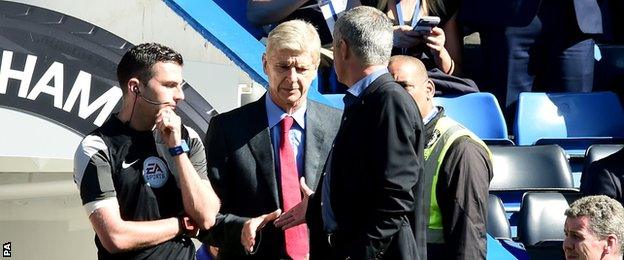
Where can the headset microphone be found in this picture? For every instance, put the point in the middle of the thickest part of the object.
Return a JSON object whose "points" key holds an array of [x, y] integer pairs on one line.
{"points": [[136, 90]]}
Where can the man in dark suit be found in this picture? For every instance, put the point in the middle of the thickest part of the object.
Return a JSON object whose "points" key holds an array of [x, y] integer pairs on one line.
{"points": [[260, 154], [534, 45], [605, 177], [364, 205]]}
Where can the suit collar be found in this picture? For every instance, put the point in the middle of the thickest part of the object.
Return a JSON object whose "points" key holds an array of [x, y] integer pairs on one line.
{"points": [[382, 79], [362, 84]]}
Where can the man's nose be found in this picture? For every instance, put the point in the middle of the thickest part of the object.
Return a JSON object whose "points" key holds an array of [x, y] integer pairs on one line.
{"points": [[179, 94], [292, 74]]}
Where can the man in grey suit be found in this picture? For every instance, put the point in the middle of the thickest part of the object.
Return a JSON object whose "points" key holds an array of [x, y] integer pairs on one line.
{"points": [[267, 156]]}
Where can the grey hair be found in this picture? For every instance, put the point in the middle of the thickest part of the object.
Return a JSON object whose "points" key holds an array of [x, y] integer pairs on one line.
{"points": [[606, 216], [295, 35], [368, 32]]}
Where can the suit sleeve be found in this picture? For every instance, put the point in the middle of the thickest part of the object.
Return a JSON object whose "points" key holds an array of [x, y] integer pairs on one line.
{"points": [[227, 230], [462, 192], [397, 168], [600, 181]]}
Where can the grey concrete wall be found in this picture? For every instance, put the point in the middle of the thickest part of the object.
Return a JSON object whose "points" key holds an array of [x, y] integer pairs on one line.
{"points": [[55, 226]]}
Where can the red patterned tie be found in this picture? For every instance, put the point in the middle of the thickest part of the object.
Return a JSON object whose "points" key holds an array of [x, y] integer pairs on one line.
{"points": [[296, 237]]}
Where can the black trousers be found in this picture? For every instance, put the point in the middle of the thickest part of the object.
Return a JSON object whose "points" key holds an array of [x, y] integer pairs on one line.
{"points": [[550, 54]]}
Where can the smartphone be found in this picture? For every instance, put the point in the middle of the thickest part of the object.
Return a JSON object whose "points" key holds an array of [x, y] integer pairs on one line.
{"points": [[426, 23]]}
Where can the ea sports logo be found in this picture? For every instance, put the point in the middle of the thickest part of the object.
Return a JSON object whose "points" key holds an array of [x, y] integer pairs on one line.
{"points": [[155, 172]]}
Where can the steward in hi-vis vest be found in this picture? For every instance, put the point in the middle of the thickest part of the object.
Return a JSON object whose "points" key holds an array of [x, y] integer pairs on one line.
{"points": [[458, 170]]}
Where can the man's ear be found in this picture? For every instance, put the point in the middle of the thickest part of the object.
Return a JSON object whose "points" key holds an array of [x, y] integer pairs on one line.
{"points": [[430, 87], [612, 245], [133, 85], [345, 50]]}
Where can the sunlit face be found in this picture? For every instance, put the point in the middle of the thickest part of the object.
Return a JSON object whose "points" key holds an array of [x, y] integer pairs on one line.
{"points": [[407, 76], [580, 242], [290, 75], [164, 86]]}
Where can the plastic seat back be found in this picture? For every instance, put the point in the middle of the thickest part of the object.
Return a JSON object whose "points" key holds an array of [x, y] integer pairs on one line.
{"points": [[595, 153], [541, 217], [568, 116], [541, 222], [497, 223], [478, 112], [526, 168]]}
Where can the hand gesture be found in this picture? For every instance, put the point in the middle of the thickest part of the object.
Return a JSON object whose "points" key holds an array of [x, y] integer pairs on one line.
{"points": [[404, 37], [253, 225], [169, 124], [296, 215]]}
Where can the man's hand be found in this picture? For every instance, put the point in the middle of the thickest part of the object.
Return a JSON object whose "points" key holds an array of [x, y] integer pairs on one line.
{"points": [[189, 227], [296, 215], [251, 226], [169, 124]]}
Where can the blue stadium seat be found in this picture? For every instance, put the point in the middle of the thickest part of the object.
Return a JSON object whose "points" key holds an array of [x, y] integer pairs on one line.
{"points": [[572, 120], [478, 112], [335, 99]]}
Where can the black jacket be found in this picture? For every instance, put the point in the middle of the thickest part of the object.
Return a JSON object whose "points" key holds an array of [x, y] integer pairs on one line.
{"points": [[462, 195], [605, 177], [376, 162]]}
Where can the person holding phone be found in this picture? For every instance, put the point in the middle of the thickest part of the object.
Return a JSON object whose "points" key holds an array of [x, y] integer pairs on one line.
{"points": [[439, 47]]}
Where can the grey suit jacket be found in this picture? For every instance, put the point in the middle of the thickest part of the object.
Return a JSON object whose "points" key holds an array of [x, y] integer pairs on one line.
{"points": [[241, 169]]}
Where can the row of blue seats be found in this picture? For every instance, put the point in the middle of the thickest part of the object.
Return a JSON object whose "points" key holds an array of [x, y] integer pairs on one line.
{"points": [[572, 120]]}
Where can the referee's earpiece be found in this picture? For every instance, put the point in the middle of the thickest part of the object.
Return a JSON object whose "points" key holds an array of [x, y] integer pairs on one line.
{"points": [[135, 90]]}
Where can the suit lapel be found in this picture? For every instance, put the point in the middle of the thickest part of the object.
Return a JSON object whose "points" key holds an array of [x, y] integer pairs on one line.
{"points": [[261, 147], [314, 143]]}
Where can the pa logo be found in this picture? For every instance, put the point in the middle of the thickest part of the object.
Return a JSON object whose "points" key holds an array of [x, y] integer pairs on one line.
{"points": [[155, 172], [6, 249]]}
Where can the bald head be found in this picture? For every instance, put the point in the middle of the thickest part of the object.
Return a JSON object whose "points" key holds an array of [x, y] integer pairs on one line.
{"points": [[412, 75]]}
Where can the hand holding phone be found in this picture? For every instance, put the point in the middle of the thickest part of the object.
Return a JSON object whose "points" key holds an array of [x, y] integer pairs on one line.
{"points": [[426, 23]]}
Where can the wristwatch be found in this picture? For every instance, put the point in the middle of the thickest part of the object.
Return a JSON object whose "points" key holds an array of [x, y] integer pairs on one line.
{"points": [[177, 150]]}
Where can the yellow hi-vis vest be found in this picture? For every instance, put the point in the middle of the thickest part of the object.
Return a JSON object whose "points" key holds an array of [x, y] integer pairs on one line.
{"points": [[446, 131]]}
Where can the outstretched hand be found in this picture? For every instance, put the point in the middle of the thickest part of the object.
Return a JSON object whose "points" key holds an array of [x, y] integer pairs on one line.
{"points": [[296, 215], [251, 226]]}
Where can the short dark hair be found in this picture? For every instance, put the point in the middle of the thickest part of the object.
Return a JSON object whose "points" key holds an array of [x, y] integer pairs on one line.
{"points": [[138, 62]]}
